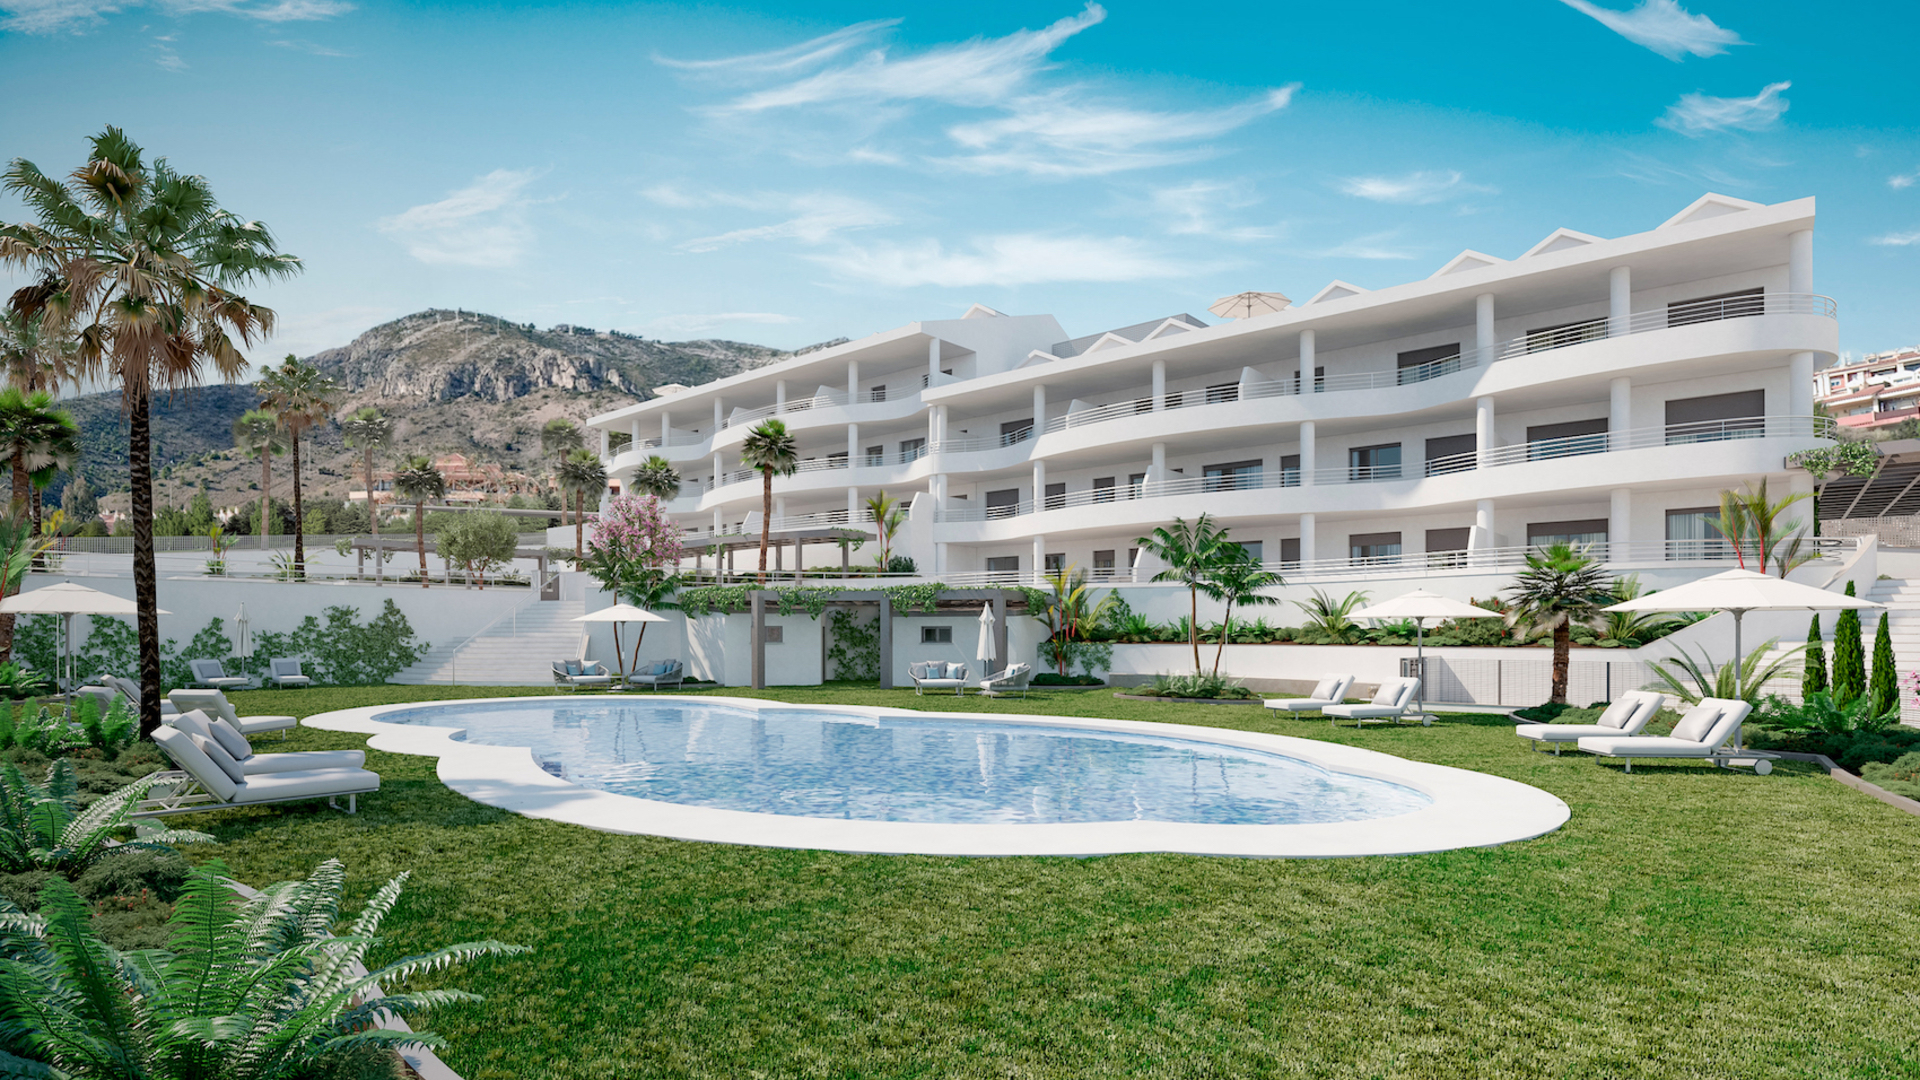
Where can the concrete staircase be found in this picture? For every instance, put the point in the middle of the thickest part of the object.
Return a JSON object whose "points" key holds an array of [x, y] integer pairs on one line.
{"points": [[517, 650]]}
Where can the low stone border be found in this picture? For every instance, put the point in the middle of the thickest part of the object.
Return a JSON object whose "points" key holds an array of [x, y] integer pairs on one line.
{"points": [[1193, 700], [1898, 802]]}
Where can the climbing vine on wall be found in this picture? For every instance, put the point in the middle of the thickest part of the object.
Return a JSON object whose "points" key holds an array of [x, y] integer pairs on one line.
{"points": [[788, 599], [853, 649]]}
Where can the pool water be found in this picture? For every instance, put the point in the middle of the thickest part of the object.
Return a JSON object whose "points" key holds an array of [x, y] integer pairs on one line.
{"points": [[929, 769]]}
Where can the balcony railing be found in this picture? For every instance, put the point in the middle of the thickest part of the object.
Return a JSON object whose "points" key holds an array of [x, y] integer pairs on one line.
{"points": [[1752, 427]]}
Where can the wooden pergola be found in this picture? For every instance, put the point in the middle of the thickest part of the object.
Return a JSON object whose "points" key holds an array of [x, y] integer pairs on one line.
{"points": [[955, 599], [723, 548]]}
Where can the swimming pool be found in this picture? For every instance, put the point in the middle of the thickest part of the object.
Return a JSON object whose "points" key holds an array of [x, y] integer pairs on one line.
{"points": [[914, 768], [858, 779]]}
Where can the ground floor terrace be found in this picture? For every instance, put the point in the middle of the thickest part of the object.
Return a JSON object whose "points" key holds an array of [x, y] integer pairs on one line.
{"points": [[1685, 922]]}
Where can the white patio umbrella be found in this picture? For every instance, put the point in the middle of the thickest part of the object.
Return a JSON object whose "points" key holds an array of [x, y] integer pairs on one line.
{"points": [[1421, 605], [67, 600], [1242, 305], [984, 650], [1738, 592], [244, 647], [618, 614]]}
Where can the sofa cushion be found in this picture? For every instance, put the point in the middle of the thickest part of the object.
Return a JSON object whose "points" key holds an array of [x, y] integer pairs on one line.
{"points": [[956, 671], [219, 757], [1699, 720], [573, 667]]}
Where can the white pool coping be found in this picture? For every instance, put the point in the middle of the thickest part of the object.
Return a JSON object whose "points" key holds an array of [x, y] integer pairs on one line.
{"points": [[1469, 809]]}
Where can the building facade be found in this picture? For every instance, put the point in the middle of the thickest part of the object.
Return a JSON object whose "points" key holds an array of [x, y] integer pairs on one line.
{"points": [[1878, 391], [1602, 391]]}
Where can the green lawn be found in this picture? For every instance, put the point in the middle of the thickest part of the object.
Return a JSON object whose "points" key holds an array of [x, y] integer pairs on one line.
{"points": [[1687, 923]]}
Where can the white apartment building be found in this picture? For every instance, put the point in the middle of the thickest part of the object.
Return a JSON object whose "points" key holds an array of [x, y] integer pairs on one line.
{"points": [[1598, 390]]}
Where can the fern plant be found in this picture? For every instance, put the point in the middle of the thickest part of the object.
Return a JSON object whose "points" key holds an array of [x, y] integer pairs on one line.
{"points": [[1717, 680], [252, 988], [44, 827]]}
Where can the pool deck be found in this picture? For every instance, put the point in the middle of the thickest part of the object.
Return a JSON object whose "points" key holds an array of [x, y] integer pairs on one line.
{"points": [[1469, 809]]}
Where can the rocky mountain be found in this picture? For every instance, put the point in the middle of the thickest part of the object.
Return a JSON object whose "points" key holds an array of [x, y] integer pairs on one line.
{"points": [[457, 382]]}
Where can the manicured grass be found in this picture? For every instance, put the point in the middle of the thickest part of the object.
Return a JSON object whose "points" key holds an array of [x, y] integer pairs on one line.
{"points": [[1686, 923]]}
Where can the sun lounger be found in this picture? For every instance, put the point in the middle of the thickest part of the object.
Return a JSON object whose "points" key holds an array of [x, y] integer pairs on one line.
{"points": [[130, 690], [215, 703], [934, 675], [229, 739], [1389, 705], [1624, 718], [1708, 731], [1014, 677], [202, 783], [1331, 690], [575, 674], [285, 671], [658, 674], [209, 673]]}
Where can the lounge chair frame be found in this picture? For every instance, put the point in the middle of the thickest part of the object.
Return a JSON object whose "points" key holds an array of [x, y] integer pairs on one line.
{"points": [[191, 797]]}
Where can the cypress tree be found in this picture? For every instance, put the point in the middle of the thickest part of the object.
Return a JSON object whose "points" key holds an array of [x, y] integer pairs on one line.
{"points": [[1886, 685], [1813, 669], [1849, 655]]}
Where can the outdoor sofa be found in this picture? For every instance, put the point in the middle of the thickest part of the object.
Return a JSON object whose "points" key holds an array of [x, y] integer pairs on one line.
{"points": [[658, 674], [1625, 717], [576, 674], [935, 675], [1014, 677], [1389, 705], [1330, 690]]}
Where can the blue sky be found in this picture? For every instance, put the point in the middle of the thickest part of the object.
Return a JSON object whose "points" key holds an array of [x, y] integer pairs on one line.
{"points": [[786, 175]]}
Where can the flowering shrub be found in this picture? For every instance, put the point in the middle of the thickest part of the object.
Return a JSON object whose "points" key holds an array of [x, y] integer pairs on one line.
{"points": [[634, 531]]}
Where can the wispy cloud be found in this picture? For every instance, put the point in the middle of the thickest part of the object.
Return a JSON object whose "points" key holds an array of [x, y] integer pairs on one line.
{"points": [[1414, 187], [703, 324], [1663, 26], [302, 45], [1905, 239], [1013, 259], [1371, 246], [1904, 180], [1695, 115], [799, 57], [820, 218], [1056, 135], [482, 225], [49, 16], [1209, 208]]}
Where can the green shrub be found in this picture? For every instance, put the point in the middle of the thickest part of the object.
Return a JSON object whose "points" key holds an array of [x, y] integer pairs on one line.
{"points": [[1201, 685], [1901, 776], [1851, 750], [1053, 678], [45, 826]]}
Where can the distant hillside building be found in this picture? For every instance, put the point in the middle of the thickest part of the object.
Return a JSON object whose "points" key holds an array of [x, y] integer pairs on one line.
{"points": [[1879, 390], [467, 481]]}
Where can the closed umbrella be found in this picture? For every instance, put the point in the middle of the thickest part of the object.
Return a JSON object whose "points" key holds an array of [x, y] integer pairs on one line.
{"points": [[1243, 305], [1421, 605], [618, 614], [984, 650], [66, 600], [243, 647]]}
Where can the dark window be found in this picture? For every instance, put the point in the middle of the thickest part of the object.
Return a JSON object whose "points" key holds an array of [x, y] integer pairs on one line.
{"points": [[1447, 547], [878, 393], [1133, 557], [912, 450], [936, 635], [1577, 533], [1223, 392], [1691, 534], [774, 635], [1290, 550], [1451, 453], [1056, 496], [1720, 416], [1003, 564], [1255, 549], [1289, 470], [1366, 463], [1056, 561], [1103, 563], [1136, 483], [1419, 365], [1231, 476], [1559, 337], [1013, 431], [876, 455], [1003, 504], [1385, 545], [1733, 305], [1103, 489], [837, 461], [1319, 379], [1566, 440]]}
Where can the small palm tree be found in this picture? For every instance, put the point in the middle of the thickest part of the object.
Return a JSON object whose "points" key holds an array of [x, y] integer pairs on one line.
{"points": [[1561, 586], [1192, 551], [1238, 582], [32, 434], [367, 431], [416, 481], [1751, 523], [257, 434], [301, 397], [1071, 612], [37, 353], [582, 474], [769, 449], [887, 520], [657, 477]]}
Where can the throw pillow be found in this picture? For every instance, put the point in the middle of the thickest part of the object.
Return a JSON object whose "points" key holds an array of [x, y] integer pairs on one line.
{"points": [[229, 737], [573, 667], [1694, 726], [1617, 713], [221, 758], [956, 671]]}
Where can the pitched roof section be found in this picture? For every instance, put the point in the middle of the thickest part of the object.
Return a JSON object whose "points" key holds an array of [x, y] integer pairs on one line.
{"points": [[1466, 260], [1710, 205], [1126, 335], [1335, 290], [982, 311], [1561, 240]]}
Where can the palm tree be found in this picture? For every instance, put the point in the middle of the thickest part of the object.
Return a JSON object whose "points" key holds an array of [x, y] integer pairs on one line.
{"points": [[257, 434], [657, 477], [366, 431], [36, 353], [301, 397], [34, 435], [887, 520], [139, 263], [769, 449], [582, 474], [1192, 551], [416, 481], [1561, 586], [1071, 612], [559, 438], [1238, 581], [60, 453]]}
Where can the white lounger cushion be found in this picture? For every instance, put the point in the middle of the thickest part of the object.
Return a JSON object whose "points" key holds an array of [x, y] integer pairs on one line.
{"points": [[1726, 717], [1392, 699], [1566, 732], [267, 787], [215, 703], [223, 737], [1632, 711], [1331, 690], [1644, 746], [1699, 720]]}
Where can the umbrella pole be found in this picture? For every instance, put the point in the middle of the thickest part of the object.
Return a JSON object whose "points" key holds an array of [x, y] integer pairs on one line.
{"points": [[1738, 694], [1420, 664]]}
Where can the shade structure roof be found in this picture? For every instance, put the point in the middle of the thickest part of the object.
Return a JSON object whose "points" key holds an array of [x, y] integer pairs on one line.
{"points": [[1421, 604], [1743, 590], [621, 613], [66, 598]]}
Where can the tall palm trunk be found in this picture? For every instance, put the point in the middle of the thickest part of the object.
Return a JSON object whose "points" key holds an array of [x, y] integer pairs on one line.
{"points": [[299, 522], [420, 537], [39, 517], [1193, 626], [579, 528], [1562, 648], [766, 519], [146, 585], [373, 521], [266, 493], [22, 483]]}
